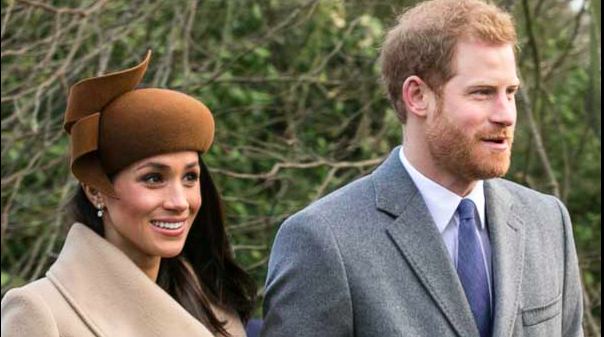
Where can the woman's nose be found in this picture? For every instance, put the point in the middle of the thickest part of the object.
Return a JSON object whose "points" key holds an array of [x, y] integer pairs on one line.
{"points": [[176, 198]]}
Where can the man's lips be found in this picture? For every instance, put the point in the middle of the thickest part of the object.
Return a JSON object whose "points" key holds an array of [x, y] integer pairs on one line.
{"points": [[498, 143], [497, 140]]}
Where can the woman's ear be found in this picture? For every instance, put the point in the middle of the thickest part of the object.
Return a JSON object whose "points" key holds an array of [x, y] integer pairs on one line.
{"points": [[96, 198], [417, 96]]}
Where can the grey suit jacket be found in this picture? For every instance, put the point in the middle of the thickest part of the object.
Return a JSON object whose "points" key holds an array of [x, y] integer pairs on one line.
{"points": [[368, 261]]}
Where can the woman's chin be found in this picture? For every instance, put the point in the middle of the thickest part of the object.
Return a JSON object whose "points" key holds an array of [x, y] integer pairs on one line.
{"points": [[170, 252]]}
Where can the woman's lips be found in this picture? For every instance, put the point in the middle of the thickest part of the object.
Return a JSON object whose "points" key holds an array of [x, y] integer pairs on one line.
{"points": [[168, 227]]}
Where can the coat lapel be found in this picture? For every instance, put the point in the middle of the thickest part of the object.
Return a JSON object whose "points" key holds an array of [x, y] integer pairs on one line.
{"points": [[419, 241], [507, 245], [112, 295]]}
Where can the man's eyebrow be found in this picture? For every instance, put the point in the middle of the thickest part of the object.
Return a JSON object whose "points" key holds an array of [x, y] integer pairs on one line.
{"points": [[484, 84]]}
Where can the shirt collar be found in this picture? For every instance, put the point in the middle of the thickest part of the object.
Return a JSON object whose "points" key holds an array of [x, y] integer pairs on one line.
{"points": [[441, 202]]}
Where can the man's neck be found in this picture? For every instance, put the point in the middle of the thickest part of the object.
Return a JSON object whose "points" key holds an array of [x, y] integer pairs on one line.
{"points": [[419, 157]]}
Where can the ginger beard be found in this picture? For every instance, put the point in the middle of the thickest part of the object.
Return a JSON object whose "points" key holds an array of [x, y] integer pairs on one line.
{"points": [[464, 154]]}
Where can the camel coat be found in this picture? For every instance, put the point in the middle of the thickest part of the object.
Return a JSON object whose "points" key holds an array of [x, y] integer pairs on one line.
{"points": [[94, 290]]}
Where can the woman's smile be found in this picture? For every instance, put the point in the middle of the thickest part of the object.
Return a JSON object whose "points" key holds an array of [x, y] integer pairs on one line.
{"points": [[169, 227]]}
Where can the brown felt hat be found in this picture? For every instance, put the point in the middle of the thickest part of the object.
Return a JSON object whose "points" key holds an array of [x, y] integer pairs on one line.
{"points": [[113, 125]]}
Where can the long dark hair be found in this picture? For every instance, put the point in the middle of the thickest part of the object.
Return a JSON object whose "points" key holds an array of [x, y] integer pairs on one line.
{"points": [[205, 272]]}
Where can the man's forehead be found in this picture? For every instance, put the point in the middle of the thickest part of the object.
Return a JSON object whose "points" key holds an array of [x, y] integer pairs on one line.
{"points": [[490, 81], [479, 63]]}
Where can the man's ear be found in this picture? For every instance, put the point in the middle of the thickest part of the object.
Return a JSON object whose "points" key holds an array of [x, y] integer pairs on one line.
{"points": [[95, 196], [417, 95]]}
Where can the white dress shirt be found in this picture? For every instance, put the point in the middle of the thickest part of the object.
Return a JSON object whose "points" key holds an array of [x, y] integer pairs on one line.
{"points": [[442, 205]]}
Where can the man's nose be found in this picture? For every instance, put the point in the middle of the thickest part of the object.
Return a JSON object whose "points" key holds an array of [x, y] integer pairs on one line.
{"points": [[504, 112]]}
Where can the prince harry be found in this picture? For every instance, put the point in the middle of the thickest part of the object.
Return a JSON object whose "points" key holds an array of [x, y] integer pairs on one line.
{"points": [[434, 242]]}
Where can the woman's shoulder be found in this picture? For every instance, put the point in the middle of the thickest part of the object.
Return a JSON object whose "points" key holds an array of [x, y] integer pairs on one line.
{"points": [[41, 309], [34, 293], [26, 311]]}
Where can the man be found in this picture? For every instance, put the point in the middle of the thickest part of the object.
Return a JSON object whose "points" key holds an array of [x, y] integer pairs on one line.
{"points": [[434, 243]]}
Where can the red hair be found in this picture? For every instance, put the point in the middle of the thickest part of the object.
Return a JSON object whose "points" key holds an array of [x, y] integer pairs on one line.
{"points": [[424, 41]]}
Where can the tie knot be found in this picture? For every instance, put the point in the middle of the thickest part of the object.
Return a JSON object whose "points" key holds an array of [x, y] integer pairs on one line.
{"points": [[466, 209]]}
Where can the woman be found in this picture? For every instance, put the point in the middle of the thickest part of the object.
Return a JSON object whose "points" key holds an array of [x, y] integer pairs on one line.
{"points": [[148, 255]]}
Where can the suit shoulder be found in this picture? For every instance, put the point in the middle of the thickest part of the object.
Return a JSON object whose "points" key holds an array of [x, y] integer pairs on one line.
{"points": [[318, 217], [538, 206], [527, 196], [26, 313], [357, 196]]}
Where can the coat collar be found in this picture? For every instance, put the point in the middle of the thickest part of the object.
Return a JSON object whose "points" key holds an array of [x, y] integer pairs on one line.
{"points": [[417, 237], [442, 203], [394, 188], [506, 230], [112, 295]]}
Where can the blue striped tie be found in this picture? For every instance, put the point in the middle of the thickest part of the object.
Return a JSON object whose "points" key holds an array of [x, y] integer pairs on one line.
{"points": [[471, 268]]}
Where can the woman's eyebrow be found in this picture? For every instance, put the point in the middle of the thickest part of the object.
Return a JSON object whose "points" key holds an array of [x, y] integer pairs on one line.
{"points": [[191, 165], [157, 166], [164, 167]]}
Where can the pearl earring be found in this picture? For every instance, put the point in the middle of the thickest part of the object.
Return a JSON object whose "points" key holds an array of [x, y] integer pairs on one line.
{"points": [[100, 212]]}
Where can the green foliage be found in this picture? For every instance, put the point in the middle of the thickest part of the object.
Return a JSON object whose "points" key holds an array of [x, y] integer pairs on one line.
{"points": [[4, 278], [294, 87]]}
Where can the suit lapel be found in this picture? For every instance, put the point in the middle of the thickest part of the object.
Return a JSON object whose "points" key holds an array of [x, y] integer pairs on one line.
{"points": [[419, 241], [507, 245]]}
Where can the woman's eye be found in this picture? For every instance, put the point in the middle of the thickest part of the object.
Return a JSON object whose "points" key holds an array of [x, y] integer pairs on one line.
{"points": [[152, 178], [191, 176]]}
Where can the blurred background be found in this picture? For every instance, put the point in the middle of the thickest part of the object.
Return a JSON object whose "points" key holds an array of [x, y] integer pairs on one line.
{"points": [[294, 87]]}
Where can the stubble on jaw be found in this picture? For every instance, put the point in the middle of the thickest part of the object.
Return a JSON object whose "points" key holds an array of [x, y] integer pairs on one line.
{"points": [[461, 154]]}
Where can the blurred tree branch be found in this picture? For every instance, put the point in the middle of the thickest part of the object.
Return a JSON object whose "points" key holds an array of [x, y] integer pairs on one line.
{"points": [[294, 88]]}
